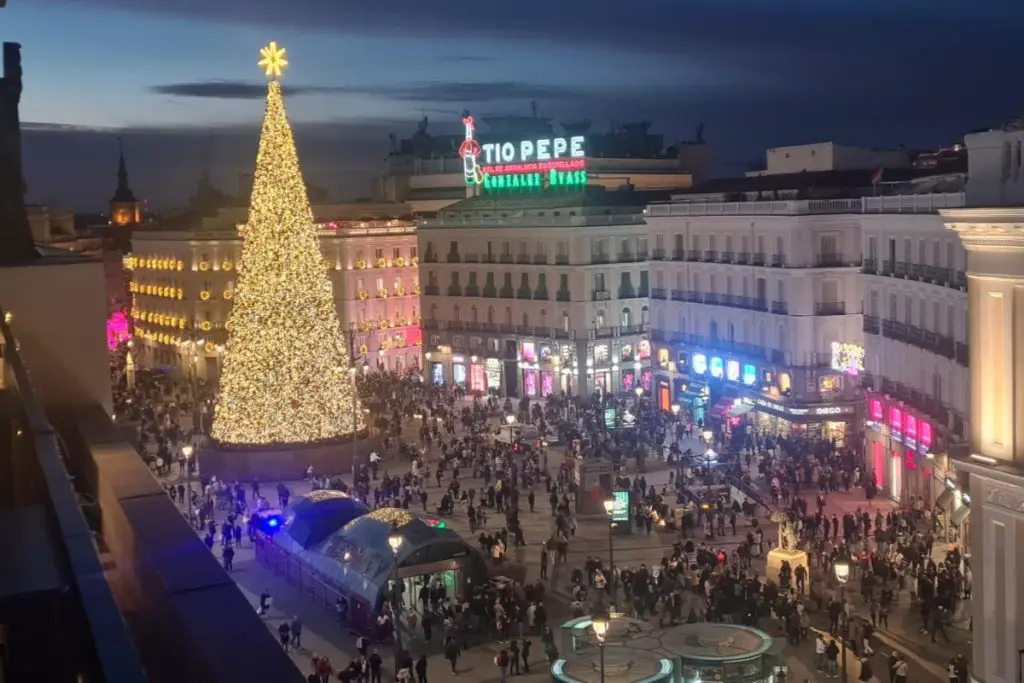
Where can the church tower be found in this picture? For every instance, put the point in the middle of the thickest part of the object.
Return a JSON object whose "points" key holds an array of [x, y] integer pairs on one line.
{"points": [[124, 207]]}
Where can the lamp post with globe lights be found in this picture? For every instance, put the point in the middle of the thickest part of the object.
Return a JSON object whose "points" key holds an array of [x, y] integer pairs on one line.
{"points": [[395, 541], [842, 569], [187, 452], [511, 420], [599, 622]]}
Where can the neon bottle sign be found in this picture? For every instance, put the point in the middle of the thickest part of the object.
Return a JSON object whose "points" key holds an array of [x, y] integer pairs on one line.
{"points": [[469, 150]]}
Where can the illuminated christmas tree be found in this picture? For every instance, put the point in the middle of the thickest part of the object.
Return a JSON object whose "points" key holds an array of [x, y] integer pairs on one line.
{"points": [[285, 377]]}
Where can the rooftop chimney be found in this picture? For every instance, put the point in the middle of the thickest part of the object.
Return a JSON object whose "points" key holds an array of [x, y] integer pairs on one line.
{"points": [[16, 243]]}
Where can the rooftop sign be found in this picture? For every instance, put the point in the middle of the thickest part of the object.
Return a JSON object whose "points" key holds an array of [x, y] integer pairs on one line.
{"points": [[543, 162]]}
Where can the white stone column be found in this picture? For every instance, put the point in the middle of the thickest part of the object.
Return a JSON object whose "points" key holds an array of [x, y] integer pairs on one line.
{"points": [[994, 241]]}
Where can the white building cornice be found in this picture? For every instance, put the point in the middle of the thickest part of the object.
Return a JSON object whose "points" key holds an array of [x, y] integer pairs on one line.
{"points": [[998, 229]]}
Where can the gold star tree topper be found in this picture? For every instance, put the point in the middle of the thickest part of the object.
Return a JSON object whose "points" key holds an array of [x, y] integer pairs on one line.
{"points": [[273, 62]]}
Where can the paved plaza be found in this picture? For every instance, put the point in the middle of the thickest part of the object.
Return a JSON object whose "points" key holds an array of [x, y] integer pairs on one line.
{"points": [[323, 635]]}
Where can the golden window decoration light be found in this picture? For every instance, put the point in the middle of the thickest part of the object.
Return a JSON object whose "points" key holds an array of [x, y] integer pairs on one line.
{"points": [[382, 263], [181, 265], [382, 292], [363, 295], [204, 295], [228, 294], [205, 326], [384, 324], [399, 290], [361, 264], [227, 265], [204, 266], [363, 350], [414, 261], [400, 262], [181, 293], [210, 347], [416, 288], [181, 323]]}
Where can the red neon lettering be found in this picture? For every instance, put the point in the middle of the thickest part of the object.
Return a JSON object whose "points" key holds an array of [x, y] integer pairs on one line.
{"points": [[536, 167]]}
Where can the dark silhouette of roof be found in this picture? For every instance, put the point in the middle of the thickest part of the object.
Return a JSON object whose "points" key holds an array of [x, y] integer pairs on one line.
{"points": [[823, 183], [123, 194]]}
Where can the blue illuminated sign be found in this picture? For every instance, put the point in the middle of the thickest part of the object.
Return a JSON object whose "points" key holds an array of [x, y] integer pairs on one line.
{"points": [[700, 363], [749, 374], [732, 371], [717, 367]]}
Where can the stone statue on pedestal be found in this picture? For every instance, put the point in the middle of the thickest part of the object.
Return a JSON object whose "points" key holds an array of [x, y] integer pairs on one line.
{"points": [[787, 534]]}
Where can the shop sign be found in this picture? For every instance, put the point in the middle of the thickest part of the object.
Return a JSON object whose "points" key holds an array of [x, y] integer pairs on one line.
{"points": [[815, 411], [910, 430], [924, 437], [699, 363], [621, 506], [717, 367], [847, 358], [749, 375], [732, 371], [895, 423], [609, 418]]}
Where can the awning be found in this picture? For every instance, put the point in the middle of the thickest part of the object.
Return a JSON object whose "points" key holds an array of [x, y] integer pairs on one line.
{"points": [[738, 409]]}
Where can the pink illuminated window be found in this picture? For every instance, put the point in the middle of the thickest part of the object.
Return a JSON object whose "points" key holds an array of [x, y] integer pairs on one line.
{"points": [[925, 436], [477, 378], [910, 427], [896, 419], [875, 408]]}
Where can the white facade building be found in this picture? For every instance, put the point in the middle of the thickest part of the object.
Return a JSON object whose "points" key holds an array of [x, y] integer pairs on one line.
{"points": [[183, 282], [536, 294], [828, 156], [917, 352], [783, 308]]}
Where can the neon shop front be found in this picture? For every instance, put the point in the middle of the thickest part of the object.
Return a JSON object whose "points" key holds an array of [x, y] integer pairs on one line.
{"points": [[900, 445]]}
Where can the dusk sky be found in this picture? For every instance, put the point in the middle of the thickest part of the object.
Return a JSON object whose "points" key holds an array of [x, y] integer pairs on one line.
{"points": [[178, 78]]}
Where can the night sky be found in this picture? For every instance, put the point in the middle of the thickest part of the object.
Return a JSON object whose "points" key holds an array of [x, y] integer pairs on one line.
{"points": [[178, 78]]}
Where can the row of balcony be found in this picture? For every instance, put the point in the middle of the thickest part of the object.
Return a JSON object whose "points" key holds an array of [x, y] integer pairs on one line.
{"points": [[491, 292], [931, 406], [936, 275], [745, 302], [530, 330], [535, 259], [742, 258], [623, 293], [927, 340]]}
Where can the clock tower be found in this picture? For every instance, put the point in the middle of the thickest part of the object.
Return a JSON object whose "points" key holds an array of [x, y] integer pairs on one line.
{"points": [[124, 207]]}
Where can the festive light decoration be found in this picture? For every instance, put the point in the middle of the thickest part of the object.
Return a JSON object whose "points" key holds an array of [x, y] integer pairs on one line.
{"points": [[285, 372], [118, 330], [273, 62]]}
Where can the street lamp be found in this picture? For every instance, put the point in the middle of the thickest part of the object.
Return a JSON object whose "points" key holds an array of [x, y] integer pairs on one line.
{"points": [[609, 507], [510, 419], [707, 436], [675, 409], [187, 451], [600, 626], [842, 573], [395, 541]]}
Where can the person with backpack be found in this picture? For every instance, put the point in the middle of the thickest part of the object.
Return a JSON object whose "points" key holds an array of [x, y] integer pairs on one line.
{"points": [[831, 655]]}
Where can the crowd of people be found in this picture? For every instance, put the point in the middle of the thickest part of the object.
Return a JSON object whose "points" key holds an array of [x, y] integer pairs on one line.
{"points": [[435, 444]]}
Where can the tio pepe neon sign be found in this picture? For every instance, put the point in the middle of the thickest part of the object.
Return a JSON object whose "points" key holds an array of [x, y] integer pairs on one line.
{"points": [[536, 163]]}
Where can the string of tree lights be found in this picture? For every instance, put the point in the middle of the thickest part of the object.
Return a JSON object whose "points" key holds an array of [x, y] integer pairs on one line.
{"points": [[285, 373]]}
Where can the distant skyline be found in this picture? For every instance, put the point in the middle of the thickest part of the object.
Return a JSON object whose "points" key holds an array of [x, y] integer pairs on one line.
{"points": [[178, 80]]}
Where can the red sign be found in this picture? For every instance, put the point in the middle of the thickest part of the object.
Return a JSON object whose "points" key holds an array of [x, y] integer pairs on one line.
{"points": [[875, 410], [925, 437], [910, 427], [895, 419]]}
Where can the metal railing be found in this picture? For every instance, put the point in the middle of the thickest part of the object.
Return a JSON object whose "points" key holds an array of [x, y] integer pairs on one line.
{"points": [[830, 308], [914, 203]]}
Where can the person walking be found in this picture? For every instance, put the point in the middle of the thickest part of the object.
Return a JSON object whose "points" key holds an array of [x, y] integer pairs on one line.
{"points": [[285, 633], [421, 669], [451, 653], [900, 670], [501, 661], [296, 627]]}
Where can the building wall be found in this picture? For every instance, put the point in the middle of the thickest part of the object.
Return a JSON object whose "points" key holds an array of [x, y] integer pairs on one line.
{"points": [[995, 161], [828, 156], [183, 286], [536, 278]]}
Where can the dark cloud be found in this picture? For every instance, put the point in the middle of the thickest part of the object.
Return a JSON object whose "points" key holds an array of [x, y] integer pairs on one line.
{"points": [[446, 92], [77, 167], [433, 91], [233, 90]]}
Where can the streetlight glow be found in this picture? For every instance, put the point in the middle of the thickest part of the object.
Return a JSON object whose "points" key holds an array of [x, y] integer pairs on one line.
{"points": [[609, 505], [842, 571], [395, 541], [187, 451]]}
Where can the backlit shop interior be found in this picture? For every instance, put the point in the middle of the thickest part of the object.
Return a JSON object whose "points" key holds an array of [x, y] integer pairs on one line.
{"points": [[475, 374], [740, 393], [620, 367], [907, 454]]}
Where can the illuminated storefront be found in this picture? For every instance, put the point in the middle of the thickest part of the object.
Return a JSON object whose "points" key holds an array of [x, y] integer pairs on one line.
{"points": [[905, 451], [831, 421]]}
